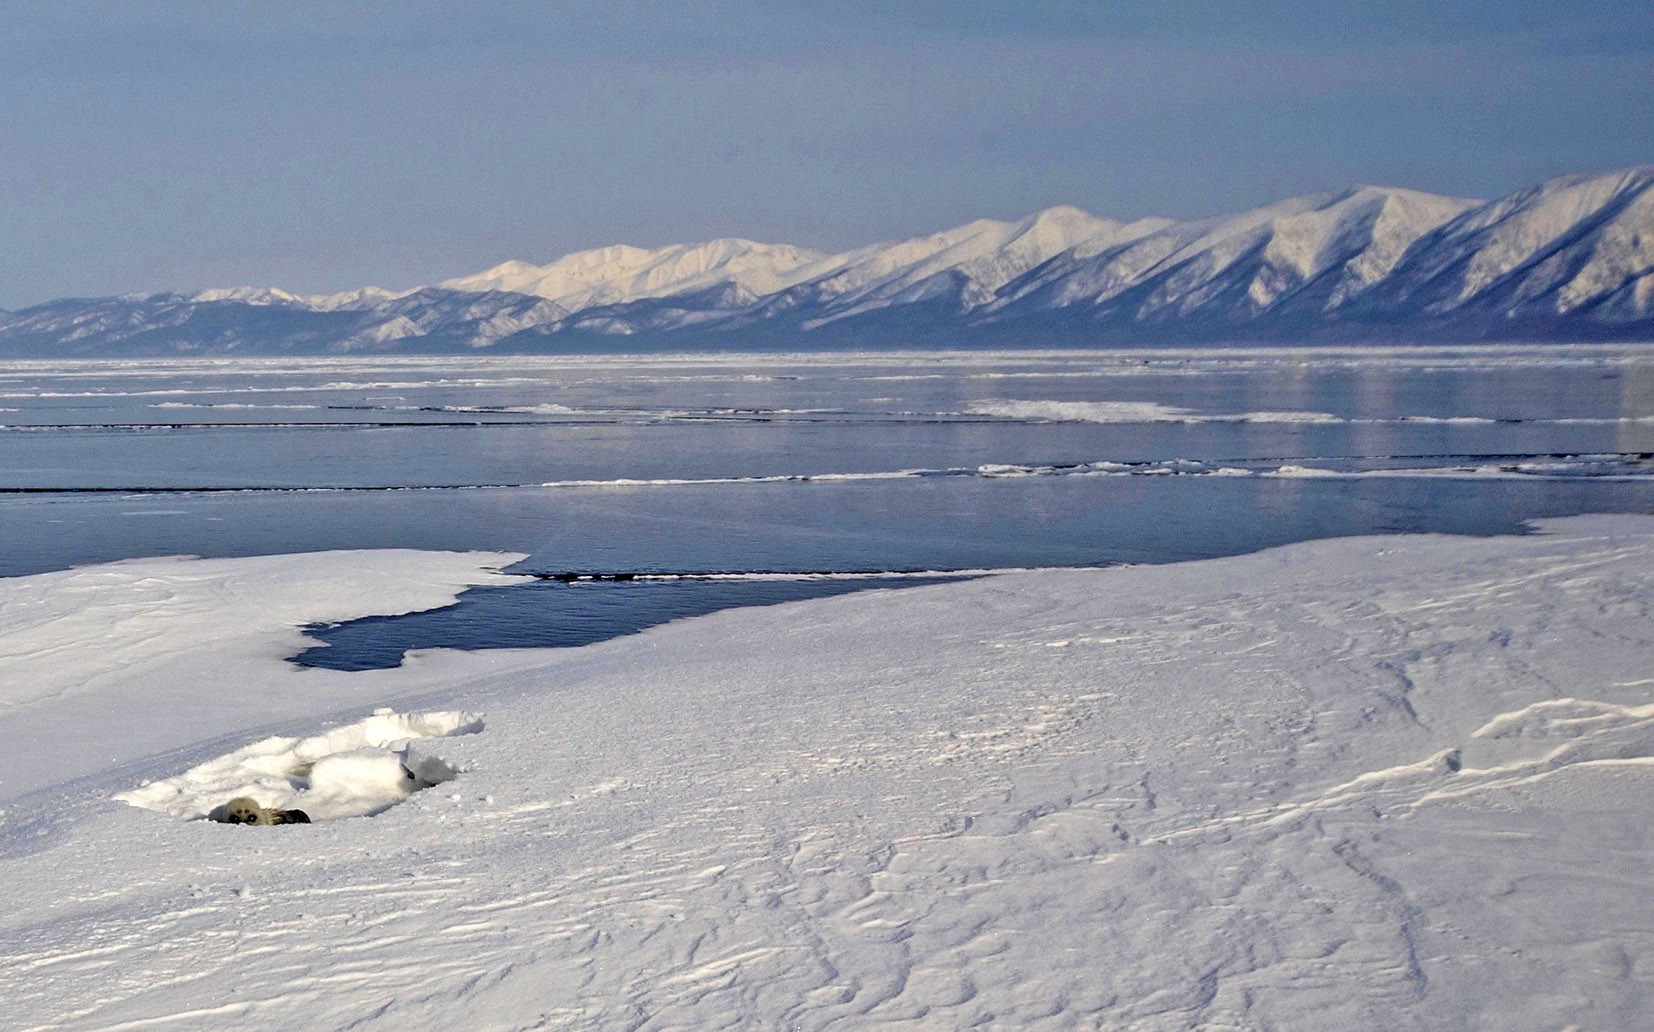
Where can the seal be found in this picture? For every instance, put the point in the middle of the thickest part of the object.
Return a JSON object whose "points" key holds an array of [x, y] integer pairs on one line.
{"points": [[245, 810]]}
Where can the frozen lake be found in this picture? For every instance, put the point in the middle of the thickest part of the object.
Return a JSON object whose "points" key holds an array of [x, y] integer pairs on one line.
{"points": [[809, 463]]}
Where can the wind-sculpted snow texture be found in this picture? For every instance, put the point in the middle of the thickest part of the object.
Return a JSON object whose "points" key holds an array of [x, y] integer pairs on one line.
{"points": [[1569, 259], [1377, 783], [108, 664]]}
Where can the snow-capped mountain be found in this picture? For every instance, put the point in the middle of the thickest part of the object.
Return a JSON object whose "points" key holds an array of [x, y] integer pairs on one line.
{"points": [[1573, 250], [1571, 258], [1306, 255], [620, 274]]}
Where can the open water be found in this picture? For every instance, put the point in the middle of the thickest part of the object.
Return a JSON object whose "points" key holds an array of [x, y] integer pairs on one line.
{"points": [[783, 472]]}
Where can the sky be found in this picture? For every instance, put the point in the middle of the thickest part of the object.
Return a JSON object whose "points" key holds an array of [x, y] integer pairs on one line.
{"points": [[161, 145]]}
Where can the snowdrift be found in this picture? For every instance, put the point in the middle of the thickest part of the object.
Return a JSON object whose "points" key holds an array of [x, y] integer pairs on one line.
{"points": [[1373, 783]]}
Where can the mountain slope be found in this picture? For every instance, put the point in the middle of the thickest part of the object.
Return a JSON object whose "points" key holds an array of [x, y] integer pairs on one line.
{"points": [[1303, 254], [621, 274], [1575, 245], [1570, 258], [965, 266]]}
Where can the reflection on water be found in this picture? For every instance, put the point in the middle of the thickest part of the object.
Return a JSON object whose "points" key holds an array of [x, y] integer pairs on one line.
{"points": [[832, 462]]}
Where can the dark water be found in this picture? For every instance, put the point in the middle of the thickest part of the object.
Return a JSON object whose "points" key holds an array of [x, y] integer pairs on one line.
{"points": [[553, 614], [805, 464]]}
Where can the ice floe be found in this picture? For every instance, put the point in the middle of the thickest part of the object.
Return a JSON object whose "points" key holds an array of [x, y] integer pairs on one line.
{"points": [[1135, 412]]}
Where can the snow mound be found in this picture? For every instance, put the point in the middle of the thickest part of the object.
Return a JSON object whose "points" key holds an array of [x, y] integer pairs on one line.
{"points": [[351, 771]]}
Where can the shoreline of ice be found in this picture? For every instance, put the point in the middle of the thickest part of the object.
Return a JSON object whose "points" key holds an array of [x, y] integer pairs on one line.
{"points": [[108, 664], [1363, 783]]}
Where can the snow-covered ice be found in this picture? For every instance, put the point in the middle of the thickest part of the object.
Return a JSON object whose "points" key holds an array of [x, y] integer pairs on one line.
{"points": [[108, 664], [1134, 412], [350, 771], [1371, 783]]}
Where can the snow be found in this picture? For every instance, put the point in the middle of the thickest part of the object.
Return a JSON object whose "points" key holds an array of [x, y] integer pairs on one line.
{"points": [[1511, 233], [1269, 253], [360, 297], [223, 405], [985, 255], [1568, 243], [172, 651], [351, 771], [1600, 467], [1569, 258], [1135, 412], [1374, 783], [1083, 411], [618, 274], [398, 328]]}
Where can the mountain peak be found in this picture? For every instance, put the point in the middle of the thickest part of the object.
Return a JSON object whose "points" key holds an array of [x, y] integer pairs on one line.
{"points": [[1569, 258], [621, 273], [1632, 178], [1573, 242], [1067, 215]]}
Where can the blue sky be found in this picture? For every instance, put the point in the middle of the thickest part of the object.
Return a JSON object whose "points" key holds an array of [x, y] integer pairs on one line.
{"points": [[320, 146]]}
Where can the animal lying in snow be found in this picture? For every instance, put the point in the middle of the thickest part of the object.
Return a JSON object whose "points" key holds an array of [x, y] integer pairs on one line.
{"points": [[243, 810]]}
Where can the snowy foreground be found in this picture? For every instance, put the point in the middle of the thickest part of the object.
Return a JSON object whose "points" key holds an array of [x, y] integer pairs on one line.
{"points": [[1380, 783]]}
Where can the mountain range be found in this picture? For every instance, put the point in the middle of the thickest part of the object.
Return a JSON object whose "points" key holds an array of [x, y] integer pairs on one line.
{"points": [[1569, 259]]}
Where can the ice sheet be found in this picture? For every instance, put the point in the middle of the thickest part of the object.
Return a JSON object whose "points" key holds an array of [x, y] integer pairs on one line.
{"points": [[106, 664], [1371, 783]]}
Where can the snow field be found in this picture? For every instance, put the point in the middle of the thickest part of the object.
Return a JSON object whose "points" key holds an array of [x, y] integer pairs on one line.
{"points": [[103, 665], [1378, 783]]}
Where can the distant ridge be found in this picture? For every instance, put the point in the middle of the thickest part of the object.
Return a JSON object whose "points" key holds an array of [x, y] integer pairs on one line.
{"points": [[1569, 259]]}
